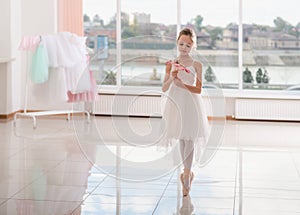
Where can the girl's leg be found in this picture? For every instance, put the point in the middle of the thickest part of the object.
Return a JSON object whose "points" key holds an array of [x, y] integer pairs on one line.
{"points": [[182, 146], [187, 155]]}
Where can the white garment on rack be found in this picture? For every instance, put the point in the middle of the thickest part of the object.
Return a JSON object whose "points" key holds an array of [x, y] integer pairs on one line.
{"points": [[67, 52], [50, 43], [76, 79], [52, 91]]}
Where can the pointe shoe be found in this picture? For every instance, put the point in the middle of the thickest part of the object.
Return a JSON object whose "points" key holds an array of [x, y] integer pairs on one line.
{"points": [[186, 187], [185, 191]]}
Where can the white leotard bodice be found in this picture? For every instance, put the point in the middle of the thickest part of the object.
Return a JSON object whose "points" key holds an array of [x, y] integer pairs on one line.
{"points": [[188, 78]]}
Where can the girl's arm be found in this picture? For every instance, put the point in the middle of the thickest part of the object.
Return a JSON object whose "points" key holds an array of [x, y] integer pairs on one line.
{"points": [[168, 78], [194, 89]]}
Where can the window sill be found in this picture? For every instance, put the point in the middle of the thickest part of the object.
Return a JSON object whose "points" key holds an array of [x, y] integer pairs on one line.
{"points": [[129, 90], [228, 93], [261, 94]]}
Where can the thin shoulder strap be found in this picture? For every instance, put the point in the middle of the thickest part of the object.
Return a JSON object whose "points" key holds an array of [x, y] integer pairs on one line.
{"points": [[193, 62]]}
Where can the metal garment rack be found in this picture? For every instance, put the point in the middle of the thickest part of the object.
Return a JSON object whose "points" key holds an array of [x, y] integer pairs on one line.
{"points": [[35, 114]]}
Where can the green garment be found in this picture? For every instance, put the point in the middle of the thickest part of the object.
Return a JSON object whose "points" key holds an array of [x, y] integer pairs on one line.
{"points": [[39, 66]]}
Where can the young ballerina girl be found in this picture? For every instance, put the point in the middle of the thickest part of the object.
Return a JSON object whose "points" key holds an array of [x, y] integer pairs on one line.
{"points": [[184, 116]]}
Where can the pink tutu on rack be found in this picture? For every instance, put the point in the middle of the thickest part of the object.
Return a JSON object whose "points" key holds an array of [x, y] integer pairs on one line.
{"points": [[29, 43]]}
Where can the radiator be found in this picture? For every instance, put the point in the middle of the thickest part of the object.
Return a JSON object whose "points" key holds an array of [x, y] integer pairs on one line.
{"points": [[267, 109], [128, 105]]}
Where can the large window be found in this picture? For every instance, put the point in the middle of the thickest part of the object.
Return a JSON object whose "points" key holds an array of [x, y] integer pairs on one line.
{"points": [[271, 56], [215, 24], [148, 40], [100, 29]]}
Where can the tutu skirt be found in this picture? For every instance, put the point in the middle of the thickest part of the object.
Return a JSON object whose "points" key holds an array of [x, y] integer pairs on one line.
{"points": [[184, 118]]}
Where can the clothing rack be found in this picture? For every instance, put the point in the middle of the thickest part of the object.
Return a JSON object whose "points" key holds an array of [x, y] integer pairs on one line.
{"points": [[36, 114], [33, 115]]}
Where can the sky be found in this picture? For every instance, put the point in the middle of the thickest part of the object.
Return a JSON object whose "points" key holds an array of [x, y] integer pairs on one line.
{"points": [[214, 12]]}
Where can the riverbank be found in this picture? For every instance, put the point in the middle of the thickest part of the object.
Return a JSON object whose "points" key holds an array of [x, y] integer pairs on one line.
{"points": [[212, 57]]}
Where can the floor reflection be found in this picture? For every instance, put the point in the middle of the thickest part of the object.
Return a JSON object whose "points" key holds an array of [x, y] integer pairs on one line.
{"points": [[187, 206], [61, 170]]}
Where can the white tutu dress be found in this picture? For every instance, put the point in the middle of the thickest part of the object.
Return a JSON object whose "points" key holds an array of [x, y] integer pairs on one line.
{"points": [[184, 114]]}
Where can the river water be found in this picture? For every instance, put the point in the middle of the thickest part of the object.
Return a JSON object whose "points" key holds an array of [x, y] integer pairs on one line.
{"points": [[278, 75], [226, 75]]}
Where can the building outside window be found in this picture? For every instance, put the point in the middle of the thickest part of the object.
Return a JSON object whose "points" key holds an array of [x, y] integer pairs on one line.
{"points": [[100, 29]]}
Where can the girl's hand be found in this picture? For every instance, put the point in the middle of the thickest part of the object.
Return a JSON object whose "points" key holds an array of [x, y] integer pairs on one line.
{"points": [[179, 83], [174, 73]]}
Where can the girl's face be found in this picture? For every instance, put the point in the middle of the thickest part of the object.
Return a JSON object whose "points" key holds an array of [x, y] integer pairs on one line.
{"points": [[184, 44]]}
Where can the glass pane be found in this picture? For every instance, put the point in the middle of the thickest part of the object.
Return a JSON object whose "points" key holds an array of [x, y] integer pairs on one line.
{"points": [[215, 25], [148, 40], [100, 30], [271, 45]]}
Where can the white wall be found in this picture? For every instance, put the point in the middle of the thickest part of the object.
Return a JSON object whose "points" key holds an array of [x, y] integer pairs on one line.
{"points": [[10, 29], [14, 80], [3, 87], [39, 17], [4, 52], [5, 29]]}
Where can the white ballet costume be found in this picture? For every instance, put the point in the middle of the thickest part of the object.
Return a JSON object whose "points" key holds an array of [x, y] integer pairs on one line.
{"points": [[185, 118]]}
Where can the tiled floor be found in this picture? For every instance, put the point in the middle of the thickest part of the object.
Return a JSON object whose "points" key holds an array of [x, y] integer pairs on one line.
{"points": [[108, 166]]}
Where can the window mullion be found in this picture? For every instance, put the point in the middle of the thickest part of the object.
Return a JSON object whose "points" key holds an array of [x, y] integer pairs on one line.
{"points": [[240, 45], [119, 45]]}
